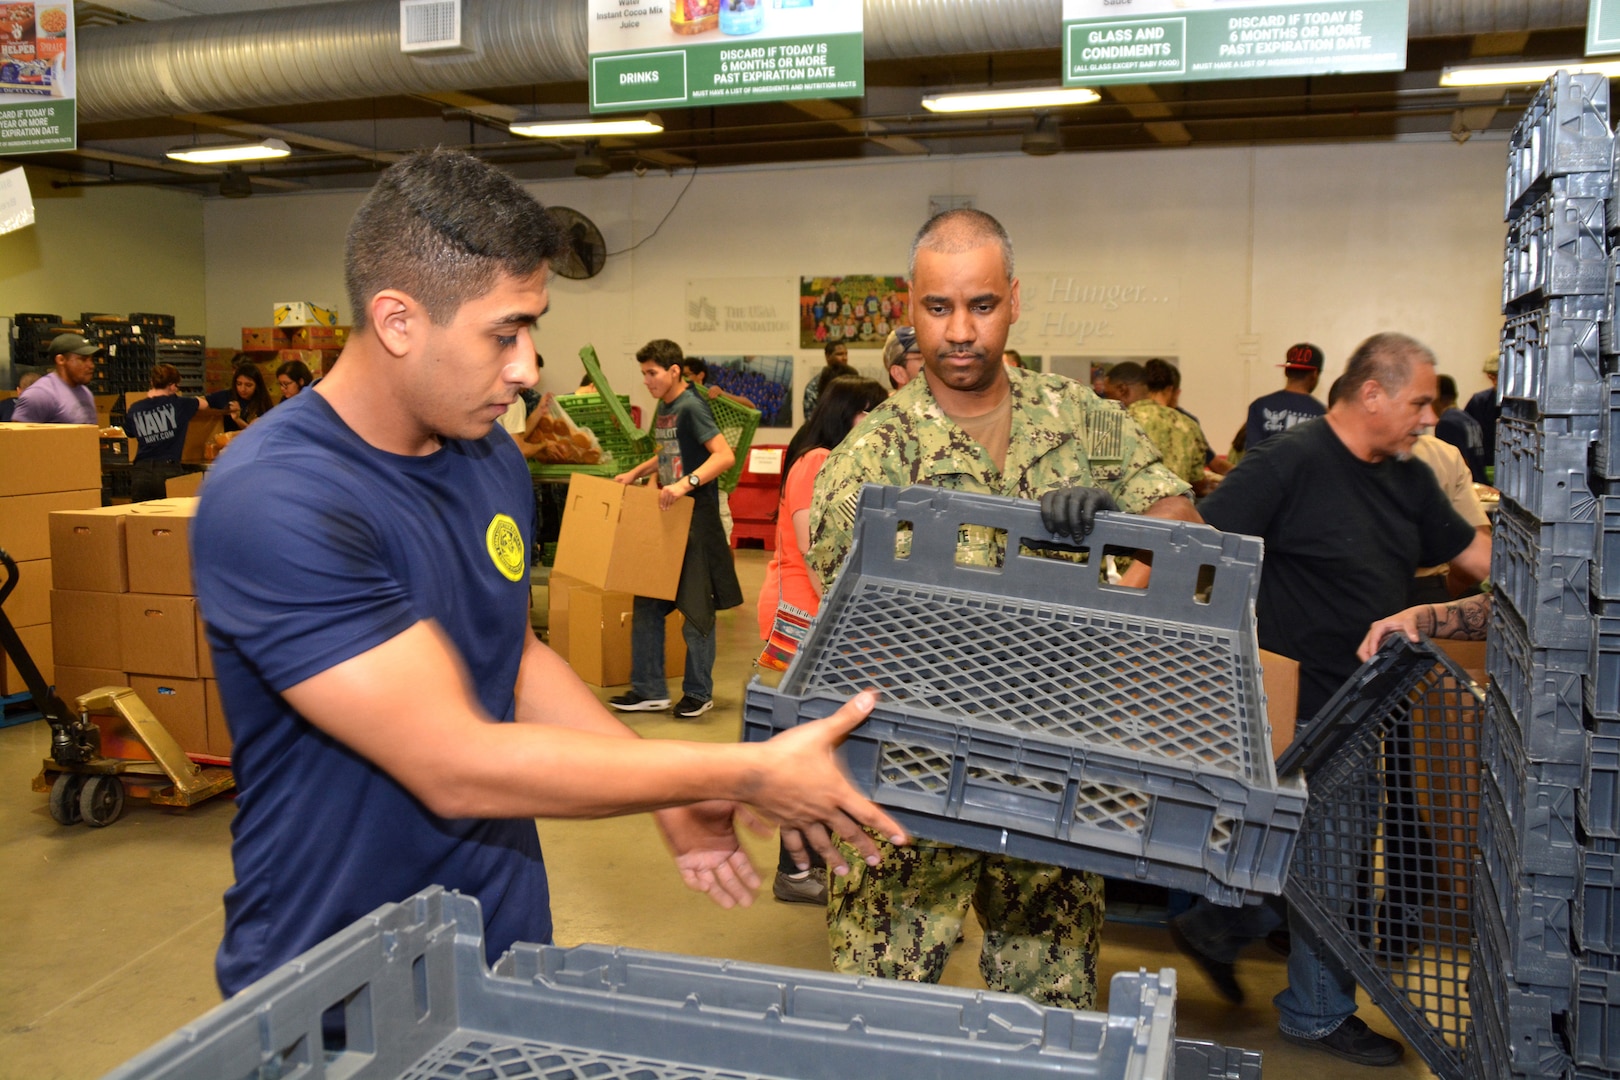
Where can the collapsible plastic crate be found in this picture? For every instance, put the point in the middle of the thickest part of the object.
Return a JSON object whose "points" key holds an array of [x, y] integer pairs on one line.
{"points": [[1034, 710], [1383, 868], [1520, 1026], [404, 993], [1537, 796], [1606, 571], [1557, 246], [1564, 129], [1602, 697], [1606, 454], [607, 415], [1594, 1018], [1552, 358], [1532, 933], [738, 424], [1597, 898], [1545, 688], [1541, 464], [1598, 801], [1545, 571]]}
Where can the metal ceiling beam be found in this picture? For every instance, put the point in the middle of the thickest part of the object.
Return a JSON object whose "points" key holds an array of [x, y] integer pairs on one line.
{"points": [[1144, 103]]}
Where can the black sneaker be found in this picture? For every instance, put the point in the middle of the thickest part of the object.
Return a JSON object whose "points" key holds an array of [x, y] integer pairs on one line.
{"points": [[1222, 975], [1353, 1041], [634, 702], [690, 708]]}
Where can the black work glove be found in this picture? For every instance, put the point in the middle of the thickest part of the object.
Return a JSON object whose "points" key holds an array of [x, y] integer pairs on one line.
{"points": [[1072, 511]]}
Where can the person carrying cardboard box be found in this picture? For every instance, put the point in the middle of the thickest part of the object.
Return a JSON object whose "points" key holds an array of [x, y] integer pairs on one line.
{"points": [[361, 563], [692, 456]]}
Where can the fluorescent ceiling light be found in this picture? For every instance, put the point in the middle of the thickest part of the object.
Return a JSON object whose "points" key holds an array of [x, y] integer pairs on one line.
{"points": [[1523, 74], [220, 153], [585, 129], [1034, 97]]}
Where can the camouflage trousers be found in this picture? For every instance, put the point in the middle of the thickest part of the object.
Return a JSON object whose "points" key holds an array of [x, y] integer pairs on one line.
{"points": [[901, 919]]}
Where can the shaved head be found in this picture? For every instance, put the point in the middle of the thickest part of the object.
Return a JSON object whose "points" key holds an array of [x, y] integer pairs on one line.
{"points": [[958, 231]]}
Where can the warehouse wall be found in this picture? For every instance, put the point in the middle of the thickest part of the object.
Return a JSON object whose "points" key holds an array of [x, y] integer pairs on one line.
{"points": [[1222, 257], [107, 249]]}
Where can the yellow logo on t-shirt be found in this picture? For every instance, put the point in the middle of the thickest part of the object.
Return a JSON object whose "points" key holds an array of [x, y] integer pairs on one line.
{"points": [[505, 543]]}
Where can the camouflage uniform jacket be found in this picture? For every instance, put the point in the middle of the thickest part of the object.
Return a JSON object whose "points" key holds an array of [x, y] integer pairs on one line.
{"points": [[1179, 438], [1062, 435]]}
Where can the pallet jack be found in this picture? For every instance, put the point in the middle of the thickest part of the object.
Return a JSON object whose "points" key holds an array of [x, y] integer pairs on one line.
{"points": [[85, 785]]}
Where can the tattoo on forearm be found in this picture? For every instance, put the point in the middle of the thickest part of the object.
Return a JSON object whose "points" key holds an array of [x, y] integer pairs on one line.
{"points": [[1464, 619]]}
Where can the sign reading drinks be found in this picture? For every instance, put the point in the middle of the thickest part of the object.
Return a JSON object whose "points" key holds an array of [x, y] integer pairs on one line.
{"points": [[649, 54], [37, 111], [1140, 41], [1603, 27]]}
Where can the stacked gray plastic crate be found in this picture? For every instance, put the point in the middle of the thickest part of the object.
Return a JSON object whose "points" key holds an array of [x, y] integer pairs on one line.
{"points": [[1547, 937]]}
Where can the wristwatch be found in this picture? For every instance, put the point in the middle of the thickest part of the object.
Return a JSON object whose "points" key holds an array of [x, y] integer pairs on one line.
{"points": [[692, 478]]}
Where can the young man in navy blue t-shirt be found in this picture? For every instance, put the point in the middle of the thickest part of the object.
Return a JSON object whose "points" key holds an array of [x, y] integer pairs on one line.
{"points": [[361, 563]]}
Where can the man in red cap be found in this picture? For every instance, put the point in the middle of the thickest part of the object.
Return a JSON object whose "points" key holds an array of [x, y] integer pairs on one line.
{"points": [[1279, 411]]}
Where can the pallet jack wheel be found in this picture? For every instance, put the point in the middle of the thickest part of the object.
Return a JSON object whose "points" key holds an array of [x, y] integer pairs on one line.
{"points": [[65, 798], [101, 801]]}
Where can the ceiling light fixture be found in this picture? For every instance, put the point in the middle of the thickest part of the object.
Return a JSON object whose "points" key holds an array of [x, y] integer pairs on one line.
{"points": [[221, 153], [1033, 97], [1523, 74], [585, 129], [1043, 138]]}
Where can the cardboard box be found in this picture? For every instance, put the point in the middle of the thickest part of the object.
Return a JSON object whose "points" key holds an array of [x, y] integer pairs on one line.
{"points": [[117, 450], [49, 457], [157, 634], [88, 548], [558, 589], [205, 655], [180, 706], [86, 625], [1279, 677], [596, 643], [262, 339], [1470, 656], [302, 313], [616, 538], [158, 536], [200, 432], [73, 682], [30, 602], [184, 487], [104, 408], [319, 337], [37, 640], [219, 732], [25, 520]]}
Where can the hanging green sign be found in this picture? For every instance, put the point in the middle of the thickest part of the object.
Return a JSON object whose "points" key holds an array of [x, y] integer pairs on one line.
{"points": [[1145, 41], [1603, 27], [669, 53], [37, 111]]}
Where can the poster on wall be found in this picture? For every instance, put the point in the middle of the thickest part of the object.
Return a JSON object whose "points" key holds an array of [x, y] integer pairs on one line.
{"points": [[1138, 41], [1065, 313], [1603, 27], [858, 310], [37, 110], [765, 382], [740, 315], [648, 54]]}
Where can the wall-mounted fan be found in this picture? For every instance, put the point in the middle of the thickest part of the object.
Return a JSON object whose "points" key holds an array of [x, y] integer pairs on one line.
{"points": [[584, 251]]}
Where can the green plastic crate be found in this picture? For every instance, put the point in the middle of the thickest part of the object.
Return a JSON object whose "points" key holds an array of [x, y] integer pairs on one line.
{"points": [[738, 424], [607, 415]]}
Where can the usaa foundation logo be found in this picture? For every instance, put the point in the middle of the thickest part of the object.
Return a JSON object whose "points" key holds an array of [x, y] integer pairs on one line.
{"points": [[505, 543]]}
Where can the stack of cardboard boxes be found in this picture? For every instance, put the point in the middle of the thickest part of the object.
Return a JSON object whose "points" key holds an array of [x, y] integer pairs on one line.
{"points": [[43, 468], [615, 545], [125, 614]]}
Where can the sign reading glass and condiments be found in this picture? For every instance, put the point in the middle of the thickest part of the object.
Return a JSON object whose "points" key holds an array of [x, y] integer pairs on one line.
{"points": [[668, 53], [1119, 41], [36, 78]]}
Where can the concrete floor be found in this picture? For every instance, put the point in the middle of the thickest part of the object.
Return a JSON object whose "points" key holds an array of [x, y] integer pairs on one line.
{"points": [[111, 937]]}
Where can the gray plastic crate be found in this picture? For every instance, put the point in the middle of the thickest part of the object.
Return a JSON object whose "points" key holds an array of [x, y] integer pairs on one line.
{"points": [[1606, 572], [1565, 129], [1034, 710], [1531, 936], [1521, 1026], [1598, 801], [1552, 356], [1382, 871], [1541, 464], [1545, 689], [1555, 247], [1597, 898], [1594, 1018], [1545, 571], [1606, 454], [1537, 796], [1602, 697], [1196, 1060], [404, 993]]}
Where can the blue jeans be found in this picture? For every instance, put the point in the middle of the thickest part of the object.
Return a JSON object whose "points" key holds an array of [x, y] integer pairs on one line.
{"points": [[647, 653], [1320, 994]]}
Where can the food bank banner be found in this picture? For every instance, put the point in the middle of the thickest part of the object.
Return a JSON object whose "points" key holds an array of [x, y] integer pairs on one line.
{"points": [[648, 54], [37, 112], [1146, 41]]}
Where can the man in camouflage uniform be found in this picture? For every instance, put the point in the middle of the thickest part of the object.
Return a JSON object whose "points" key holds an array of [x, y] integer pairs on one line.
{"points": [[1177, 436], [972, 424]]}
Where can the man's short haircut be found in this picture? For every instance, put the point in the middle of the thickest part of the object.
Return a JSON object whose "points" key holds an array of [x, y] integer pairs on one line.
{"points": [[1017, 357], [956, 231], [441, 226], [1129, 373], [1447, 389], [1161, 375], [164, 376], [831, 347], [1385, 359], [694, 365], [661, 351]]}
